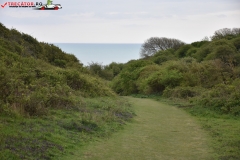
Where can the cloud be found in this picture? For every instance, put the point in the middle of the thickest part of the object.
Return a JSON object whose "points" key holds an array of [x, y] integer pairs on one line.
{"points": [[76, 16], [125, 20], [221, 15], [25, 14], [85, 14], [113, 13]]}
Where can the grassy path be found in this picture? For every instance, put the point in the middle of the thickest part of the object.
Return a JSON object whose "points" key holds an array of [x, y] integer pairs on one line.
{"points": [[159, 131]]}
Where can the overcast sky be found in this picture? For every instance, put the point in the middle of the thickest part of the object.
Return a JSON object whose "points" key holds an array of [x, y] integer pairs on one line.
{"points": [[124, 21]]}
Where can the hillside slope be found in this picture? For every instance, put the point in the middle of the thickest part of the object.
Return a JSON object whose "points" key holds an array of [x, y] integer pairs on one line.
{"points": [[35, 76], [206, 73], [50, 103]]}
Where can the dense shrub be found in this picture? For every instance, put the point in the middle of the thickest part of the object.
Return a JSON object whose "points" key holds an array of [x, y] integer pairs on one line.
{"points": [[125, 82], [222, 98], [30, 85], [197, 72], [199, 44], [182, 92], [114, 68], [100, 70], [182, 51], [226, 33], [163, 56], [236, 43], [144, 74]]}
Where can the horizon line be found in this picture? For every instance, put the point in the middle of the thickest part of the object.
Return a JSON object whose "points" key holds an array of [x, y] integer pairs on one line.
{"points": [[93, 43]]}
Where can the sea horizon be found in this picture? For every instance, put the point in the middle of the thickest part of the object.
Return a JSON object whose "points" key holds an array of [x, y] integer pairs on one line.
{"points": [[103, 53]]}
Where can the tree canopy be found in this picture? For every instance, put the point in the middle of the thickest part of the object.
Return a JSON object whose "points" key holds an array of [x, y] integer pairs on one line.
{"points": [[155, 44], [226, 33]]}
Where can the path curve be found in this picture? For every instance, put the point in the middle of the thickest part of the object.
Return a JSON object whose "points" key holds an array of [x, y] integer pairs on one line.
{"points": [[158, 132]]}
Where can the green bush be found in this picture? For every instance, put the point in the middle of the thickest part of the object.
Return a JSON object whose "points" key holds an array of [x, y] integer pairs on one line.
{"points": [[125, 83], [202, 52], [102, 71], [225, 53], [236, 43], [144, 74], [199, 44], [30, 86], [163, 56], [164, 78], [182, 92], [182, 51], [214, 49], [114, 68], [222, 98]]}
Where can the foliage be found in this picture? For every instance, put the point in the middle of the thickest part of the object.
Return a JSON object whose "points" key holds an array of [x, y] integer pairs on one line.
{"points": [[114, 68], [62, 131], [195, 72], [49, 103], [125, 82], [199, 43], [236, 43], [223, 98], [155, 44], [182, 92], [182, 51], [163, 56], [40, 76], [144, 74], [99, 70], [27, 46], [226, 33]]}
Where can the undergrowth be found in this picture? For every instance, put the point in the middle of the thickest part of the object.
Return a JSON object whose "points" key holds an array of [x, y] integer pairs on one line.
{"points": [[62, 130]]}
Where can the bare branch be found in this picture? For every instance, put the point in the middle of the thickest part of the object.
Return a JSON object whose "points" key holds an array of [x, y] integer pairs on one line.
{"points": [[155, 44]]}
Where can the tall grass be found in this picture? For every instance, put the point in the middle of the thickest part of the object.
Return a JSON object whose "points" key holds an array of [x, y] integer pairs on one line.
{"points": [[62, 130]]}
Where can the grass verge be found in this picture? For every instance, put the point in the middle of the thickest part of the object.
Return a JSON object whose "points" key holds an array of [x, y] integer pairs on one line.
{"points": [[223, 129], [61, 131]]}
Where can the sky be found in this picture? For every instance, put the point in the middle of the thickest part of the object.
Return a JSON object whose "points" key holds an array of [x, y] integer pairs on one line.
{"points": [[123, 21]]}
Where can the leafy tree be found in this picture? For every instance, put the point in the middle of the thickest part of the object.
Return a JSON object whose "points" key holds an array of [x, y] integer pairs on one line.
{"points": [[200, 43], [126, 81], [155, 44], [226, 33], [182, 51], [114, 67], [163, 56], [225, 53], [236, 43], [99, 70], [95, 68], [4, 32]]}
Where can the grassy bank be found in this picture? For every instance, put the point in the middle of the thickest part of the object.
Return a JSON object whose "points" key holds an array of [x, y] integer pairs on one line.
{"points": [[49, 103], [224, 130], [61, 131]]}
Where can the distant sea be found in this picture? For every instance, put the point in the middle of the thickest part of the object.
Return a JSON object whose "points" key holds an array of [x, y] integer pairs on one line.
{"points": [[102, 53]]}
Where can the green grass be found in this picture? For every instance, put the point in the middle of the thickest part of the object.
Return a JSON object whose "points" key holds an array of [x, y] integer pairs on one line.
{"points": [[223, 129], [61, 131], [169, 129], [159, 131]]}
